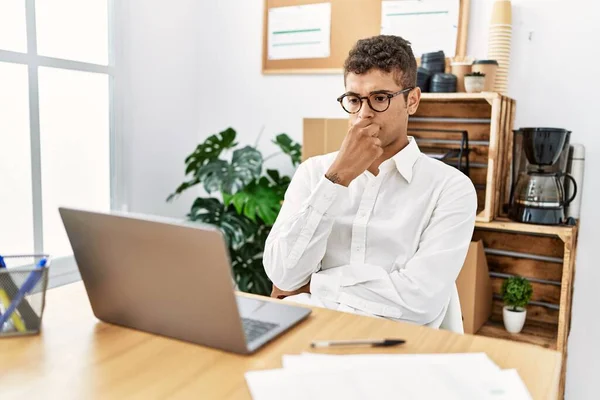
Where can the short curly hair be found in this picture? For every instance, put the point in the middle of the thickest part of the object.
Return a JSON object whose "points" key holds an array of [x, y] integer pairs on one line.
{"points": [[385, 52]]}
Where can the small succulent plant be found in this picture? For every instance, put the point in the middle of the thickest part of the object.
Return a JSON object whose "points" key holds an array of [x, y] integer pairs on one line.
{"points": [[516, 292]]}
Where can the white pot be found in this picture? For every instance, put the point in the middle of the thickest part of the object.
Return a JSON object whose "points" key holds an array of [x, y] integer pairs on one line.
{"points": [[514, 320], [474, 84]]}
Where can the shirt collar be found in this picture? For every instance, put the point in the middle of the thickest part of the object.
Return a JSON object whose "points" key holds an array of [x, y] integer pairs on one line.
{"points": [[404, 160]]}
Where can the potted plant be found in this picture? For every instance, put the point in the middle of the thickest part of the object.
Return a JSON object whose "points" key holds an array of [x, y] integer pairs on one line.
{"points": [[474, 82], [243, 199], [516, 293]]}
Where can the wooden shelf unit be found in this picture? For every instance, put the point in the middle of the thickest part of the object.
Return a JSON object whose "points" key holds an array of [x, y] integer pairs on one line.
{"points": [[546, 256]]}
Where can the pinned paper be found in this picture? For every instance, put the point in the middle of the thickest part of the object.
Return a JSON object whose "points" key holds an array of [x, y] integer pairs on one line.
{"points": [[299, 32], [429, 25]]}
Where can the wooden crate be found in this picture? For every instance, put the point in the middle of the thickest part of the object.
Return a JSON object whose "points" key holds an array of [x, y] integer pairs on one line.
{"points": [[546, 256], [486, 117]]}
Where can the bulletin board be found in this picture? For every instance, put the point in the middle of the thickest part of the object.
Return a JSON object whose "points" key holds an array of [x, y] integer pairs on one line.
{"points": [[351, 20]]}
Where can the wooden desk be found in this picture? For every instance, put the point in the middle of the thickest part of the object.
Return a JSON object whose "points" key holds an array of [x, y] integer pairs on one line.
{"points": [[79, 357]]}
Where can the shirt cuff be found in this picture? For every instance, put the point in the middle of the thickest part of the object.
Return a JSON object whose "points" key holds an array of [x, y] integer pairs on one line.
{"points": [[326, 195], [326, 284], [330, 285]]}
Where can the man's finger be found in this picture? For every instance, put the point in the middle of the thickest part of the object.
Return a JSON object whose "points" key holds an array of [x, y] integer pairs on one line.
{"points": [[362, 122], [373, 130]]}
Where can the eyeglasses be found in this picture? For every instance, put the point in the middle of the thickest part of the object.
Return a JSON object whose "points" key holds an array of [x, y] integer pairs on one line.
{"points": [[378, 101]]}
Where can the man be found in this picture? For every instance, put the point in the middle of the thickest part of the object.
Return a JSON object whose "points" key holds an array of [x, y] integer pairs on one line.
{"points": [[376, 228]]}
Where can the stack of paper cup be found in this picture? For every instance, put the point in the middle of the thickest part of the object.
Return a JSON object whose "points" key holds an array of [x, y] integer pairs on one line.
{"points": [[499, 42]]}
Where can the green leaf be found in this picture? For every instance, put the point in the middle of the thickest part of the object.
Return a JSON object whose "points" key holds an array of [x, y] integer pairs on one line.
{"points": [[516, 291], [205, 152], [236, 228], [239, 199], [248, 269], [211, 149], [280, 183], [260, 198], [226, 198], [244, 282], [268, 212], [262, 283], [219, 175], [212, 174], [277, 179], [246, 164], [261, 234], [289, 147], [184, 186], [250, 208]]}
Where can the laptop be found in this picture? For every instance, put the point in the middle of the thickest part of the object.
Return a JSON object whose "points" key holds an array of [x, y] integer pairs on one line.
{"points": [[170, 278]]}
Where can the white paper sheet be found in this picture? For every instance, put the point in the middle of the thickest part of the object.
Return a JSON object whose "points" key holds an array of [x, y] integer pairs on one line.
{"points": [[509, 386], [496, 384], [420, 382], [382, 376], [299, 32], [477, 363], [468, 369], [429, 25]]}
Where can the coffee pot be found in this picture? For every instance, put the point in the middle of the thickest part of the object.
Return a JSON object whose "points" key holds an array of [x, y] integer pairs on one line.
{"points": [[539, 195]]}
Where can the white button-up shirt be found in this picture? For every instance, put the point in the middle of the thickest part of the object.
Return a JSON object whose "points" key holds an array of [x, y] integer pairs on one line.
{"points": [[390, 245]]}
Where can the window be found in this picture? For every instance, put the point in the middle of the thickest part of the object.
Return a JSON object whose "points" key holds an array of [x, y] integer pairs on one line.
{"points": [[56, 131]]}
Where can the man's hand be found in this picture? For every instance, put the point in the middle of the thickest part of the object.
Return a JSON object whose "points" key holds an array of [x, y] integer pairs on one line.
{"points": [[360, 148], [282, 294]]}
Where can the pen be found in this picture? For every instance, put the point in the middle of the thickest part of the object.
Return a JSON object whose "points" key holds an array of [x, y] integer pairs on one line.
{"points": [[15, 318], [5, 301], [364, 342]]}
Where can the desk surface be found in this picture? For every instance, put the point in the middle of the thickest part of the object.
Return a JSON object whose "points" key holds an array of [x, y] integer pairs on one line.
{"points": [[79, 357]]}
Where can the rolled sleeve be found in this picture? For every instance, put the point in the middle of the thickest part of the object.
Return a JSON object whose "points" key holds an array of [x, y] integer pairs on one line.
{"points": [[327, 197], [298, 240]]}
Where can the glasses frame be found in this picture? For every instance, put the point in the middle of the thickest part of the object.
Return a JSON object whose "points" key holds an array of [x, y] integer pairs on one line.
{"points": [[390, 96]]}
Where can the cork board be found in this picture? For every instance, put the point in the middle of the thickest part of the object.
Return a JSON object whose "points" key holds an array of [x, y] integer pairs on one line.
{"points": [[351, 20]]}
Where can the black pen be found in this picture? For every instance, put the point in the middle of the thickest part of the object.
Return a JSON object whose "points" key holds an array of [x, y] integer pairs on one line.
{"points": [[365, 342]]}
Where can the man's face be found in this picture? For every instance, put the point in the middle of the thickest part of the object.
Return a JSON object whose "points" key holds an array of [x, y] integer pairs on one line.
{"points": [[394, 120]]}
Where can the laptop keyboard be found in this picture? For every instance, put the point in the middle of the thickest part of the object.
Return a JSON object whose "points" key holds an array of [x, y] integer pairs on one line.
{"points": [[255, 329]]}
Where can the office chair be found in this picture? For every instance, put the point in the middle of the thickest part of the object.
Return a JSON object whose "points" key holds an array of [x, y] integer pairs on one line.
{"points": [[453, 319]]}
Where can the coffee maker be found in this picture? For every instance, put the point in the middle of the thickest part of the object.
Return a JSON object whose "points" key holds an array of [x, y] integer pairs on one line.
{"points": [[540, 158]]}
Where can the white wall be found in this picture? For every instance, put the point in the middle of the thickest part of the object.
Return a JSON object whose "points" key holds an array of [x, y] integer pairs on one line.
{"points": [[238, 95], [159, 71], [192, 68], [546, 79]]}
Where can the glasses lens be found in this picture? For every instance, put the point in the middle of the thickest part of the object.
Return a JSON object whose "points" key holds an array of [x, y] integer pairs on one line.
{"points": [[379, 101], [351, 104]]}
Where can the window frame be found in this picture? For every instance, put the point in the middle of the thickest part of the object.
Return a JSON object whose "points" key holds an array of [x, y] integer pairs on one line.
{"points": [[33, 61]]}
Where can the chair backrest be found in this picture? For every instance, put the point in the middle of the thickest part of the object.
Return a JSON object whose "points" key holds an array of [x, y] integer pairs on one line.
{"points": [[453, 319]]}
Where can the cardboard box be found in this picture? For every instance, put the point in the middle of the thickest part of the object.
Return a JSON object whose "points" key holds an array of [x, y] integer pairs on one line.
{"points": [[322, 136], [475, 289]]}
